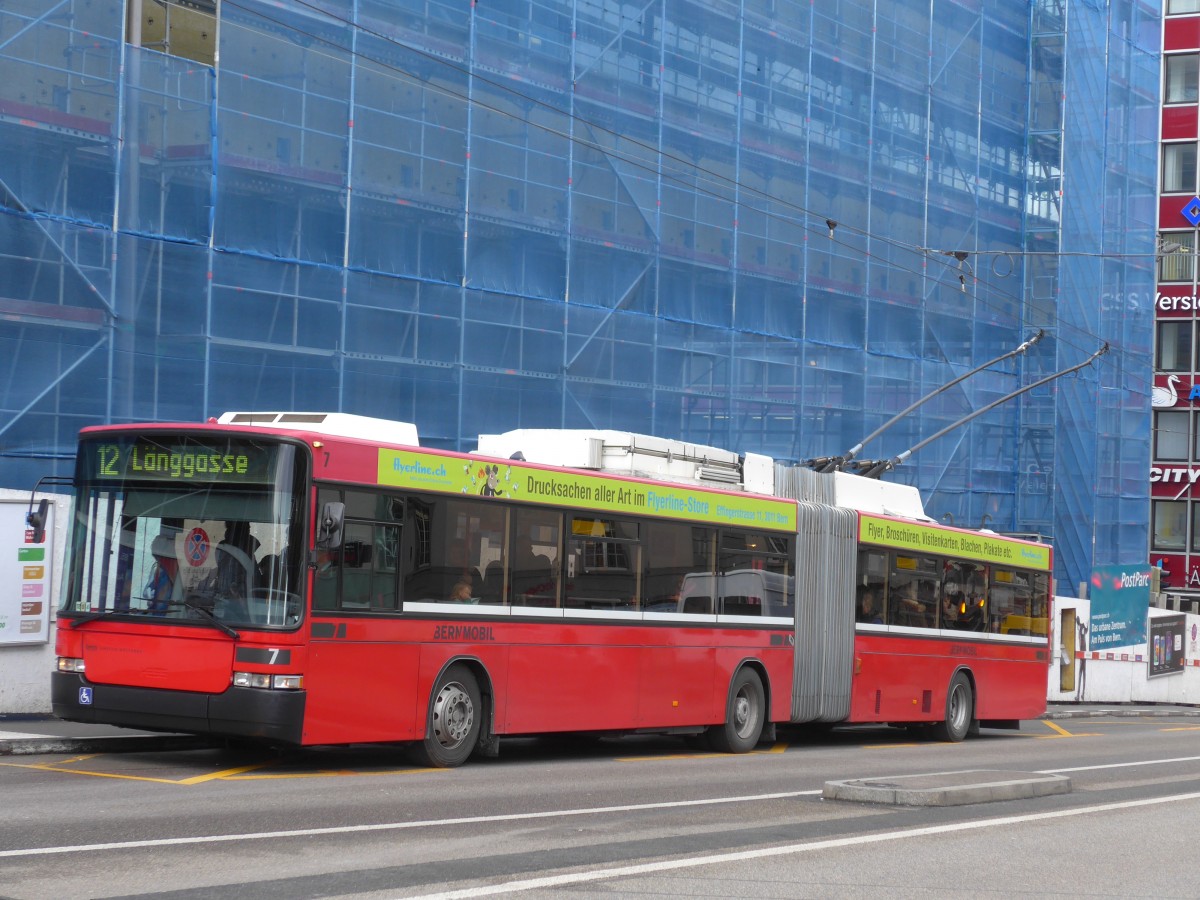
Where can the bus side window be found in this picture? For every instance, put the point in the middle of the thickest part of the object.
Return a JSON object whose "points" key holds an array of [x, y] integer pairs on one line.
{"points": [[357, 560], [696, 604], [675, 549], [741, 606], [696, 594], [537, 542], [326, 574], [604, 561], [872, 596]]}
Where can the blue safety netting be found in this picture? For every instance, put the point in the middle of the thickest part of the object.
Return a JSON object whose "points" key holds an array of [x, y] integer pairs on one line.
{"points": [[726, 222]]}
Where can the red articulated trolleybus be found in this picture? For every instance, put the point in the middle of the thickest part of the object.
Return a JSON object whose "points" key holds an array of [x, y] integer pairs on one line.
{"points": [[312, 578]]}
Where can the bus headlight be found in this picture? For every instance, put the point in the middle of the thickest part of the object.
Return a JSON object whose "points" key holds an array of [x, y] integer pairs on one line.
{"points": [[271, 682], [70, 664], [251, 679]]}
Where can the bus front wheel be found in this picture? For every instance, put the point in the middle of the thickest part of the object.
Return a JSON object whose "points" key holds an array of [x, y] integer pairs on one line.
{"points": [[960, 711], [452, 729], [745, 713]]}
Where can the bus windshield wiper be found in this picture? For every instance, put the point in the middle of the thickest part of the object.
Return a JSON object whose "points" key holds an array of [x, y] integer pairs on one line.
{"points": [[83, 618], [207, 613]]}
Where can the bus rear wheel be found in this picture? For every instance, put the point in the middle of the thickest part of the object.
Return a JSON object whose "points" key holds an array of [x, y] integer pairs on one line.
{"points": [[960, 711], [452, 728], [745, 713]]}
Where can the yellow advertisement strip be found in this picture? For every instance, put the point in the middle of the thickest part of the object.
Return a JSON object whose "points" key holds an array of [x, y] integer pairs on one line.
{"points": [[931, 539], [513, 481]]}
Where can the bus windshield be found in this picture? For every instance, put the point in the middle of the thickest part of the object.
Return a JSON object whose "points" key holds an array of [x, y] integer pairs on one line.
{"points": [[173, 527]]}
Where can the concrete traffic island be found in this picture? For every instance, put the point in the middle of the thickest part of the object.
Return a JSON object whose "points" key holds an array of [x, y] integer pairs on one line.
{"points": [[948, 788]]}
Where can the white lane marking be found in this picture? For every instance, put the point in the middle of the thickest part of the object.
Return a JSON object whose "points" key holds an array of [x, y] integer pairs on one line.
{"points": [[1123, 765], [469, 820], [396, 826], [555, 881]]}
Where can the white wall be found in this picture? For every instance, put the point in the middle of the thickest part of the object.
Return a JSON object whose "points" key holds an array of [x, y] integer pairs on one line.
{"points": [[25, 668], [1121, 675]]}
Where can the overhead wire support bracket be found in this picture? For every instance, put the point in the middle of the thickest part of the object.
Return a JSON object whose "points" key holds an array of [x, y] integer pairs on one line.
{"points": [[836, 463], [887, 465]]}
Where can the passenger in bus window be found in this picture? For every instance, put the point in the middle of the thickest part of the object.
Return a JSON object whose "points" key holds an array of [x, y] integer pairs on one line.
{"points": [[973, 618], [160, 589], [904, 608], [916, 605], [868, 609], [461, 593], [952, 605], [461, 564]]}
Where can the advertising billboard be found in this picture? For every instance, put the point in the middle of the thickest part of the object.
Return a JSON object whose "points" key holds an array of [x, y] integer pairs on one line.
{"points": [[1120, 600], [25, 577]]}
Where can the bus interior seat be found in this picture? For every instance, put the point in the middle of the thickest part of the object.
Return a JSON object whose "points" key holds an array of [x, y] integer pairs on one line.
{"points": [[492, 588]]}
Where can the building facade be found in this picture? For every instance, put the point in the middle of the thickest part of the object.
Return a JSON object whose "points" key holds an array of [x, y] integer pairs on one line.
{"points": [[766, 225], [1175, 509]]}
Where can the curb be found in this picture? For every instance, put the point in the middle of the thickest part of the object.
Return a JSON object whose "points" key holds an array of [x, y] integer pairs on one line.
{"points": [[948, 788], [1117, 713], [114, 744]]}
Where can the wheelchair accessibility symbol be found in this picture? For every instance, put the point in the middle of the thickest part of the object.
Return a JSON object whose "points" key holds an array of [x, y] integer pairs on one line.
{"points": [[85, 696]]}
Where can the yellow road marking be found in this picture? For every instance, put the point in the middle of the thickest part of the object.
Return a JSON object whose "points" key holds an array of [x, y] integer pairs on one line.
{"points": [[1063, 733], [64, 762], [198, 779], [236, 774], [224, 773], [49, 768], [1182, 728]]}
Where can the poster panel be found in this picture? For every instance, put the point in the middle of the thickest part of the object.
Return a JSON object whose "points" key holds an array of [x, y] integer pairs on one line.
{"points": [[1120, 599], [25, 577], [1164, 654]]}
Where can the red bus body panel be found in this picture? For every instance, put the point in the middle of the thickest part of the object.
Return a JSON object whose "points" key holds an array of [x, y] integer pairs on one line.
{"points": [[904, 678], [181, 659], [606, 677]]}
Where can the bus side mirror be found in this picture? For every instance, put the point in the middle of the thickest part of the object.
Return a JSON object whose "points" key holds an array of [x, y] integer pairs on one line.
{"points": [[329, 529], [37, 520]]}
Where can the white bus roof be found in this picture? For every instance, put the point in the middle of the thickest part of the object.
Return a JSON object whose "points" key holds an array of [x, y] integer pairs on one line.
{"points": [[339, 424]]}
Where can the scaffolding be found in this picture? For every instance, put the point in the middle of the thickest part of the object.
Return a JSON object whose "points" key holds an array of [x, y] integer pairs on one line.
{"points": [[704, 220]]}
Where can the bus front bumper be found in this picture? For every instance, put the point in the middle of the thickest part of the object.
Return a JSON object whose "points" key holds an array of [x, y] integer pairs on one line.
{"points": [[266, 715]]}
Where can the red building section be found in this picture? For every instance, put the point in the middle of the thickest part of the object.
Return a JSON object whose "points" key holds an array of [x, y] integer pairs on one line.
{"points": [[1175, 468]]}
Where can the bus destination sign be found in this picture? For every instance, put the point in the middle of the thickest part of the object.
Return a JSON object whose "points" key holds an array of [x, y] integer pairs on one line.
{"points": [[178, 460]]}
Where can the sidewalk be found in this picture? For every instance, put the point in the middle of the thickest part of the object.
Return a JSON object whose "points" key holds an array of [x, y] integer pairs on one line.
{"points": [[29, 734], [1128, 710]]}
